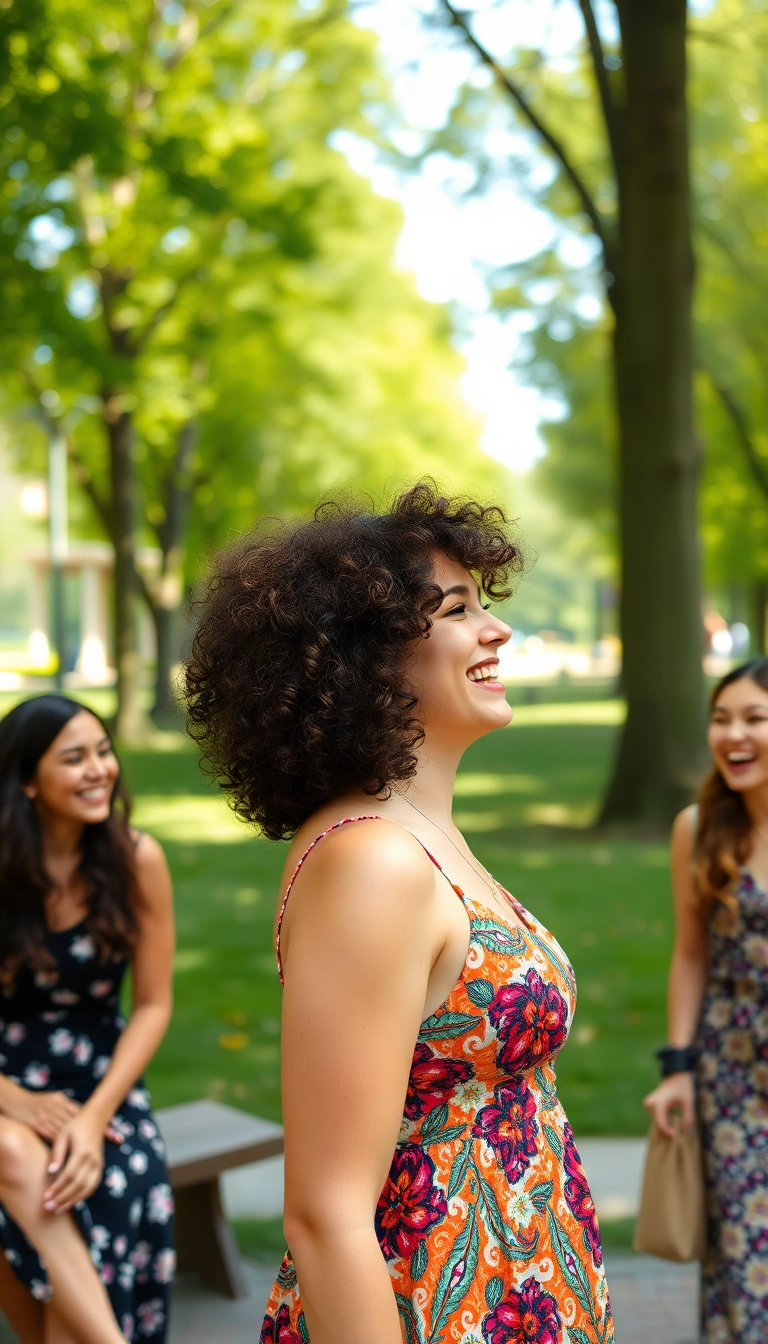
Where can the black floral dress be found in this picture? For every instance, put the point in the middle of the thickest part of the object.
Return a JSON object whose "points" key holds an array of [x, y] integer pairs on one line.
{"points": [[58, 1031], [732, 1086]]}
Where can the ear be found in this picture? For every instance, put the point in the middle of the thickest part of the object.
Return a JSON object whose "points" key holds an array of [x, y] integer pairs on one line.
{"points": [[29, 791]]}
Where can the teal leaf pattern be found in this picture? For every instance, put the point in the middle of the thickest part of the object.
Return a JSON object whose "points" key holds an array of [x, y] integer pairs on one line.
{"points": [[413, 1331], [434, 1121], [419, 1261], [555, 1142], [457, 1273], [541, 1194], [497, 937], [444, 1026], [513, 1247], [570, 1263], [459, 1170], [548, 1090], [481, 992], [303, 1331], [447, 1135], [494, 1291]]}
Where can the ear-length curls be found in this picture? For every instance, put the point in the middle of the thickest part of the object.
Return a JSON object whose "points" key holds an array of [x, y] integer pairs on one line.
{"points": [[296, 681], [107, 862]]}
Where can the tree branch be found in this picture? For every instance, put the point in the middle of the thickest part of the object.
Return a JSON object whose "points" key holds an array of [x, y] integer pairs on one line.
{"points": [[757, 465], [610, 110], [86, 482], [599, 224]]}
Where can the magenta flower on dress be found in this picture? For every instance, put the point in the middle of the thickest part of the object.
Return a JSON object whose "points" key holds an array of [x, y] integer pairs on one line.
{"points": [[527, 1317], [410, 1204], [579, 1197], [531, 1021], [432, 1080], [279, 1330], [509, 1125]]}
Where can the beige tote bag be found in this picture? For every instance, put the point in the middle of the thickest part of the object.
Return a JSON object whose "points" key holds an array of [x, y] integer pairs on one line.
{"points": [[671, 1222]]}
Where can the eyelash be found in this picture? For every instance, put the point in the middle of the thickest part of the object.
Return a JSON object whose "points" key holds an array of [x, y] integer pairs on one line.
{"points": [[461, 608]]}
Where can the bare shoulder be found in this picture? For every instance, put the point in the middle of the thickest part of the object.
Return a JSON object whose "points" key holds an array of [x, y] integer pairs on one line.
{"points": [[371, 850], [150, 856], [366, 896], [683, 828], [152, 874]]}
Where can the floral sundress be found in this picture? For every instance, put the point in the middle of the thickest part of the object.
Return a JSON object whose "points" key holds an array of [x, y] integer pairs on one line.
{"points": [[732, 1095], [486, 1220], [59, 1030]]}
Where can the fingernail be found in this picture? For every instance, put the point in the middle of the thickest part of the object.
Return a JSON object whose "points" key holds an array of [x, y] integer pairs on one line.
{"points": [[53, 1166], [49, 1206]]}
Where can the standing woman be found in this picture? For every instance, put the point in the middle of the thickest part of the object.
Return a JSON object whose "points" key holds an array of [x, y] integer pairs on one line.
{"points": [[86, 1216], [717, 1060], [433, 1191]]}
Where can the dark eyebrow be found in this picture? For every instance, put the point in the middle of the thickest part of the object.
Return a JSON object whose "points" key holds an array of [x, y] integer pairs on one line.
{"points": [[457, 588], [79, 746]]}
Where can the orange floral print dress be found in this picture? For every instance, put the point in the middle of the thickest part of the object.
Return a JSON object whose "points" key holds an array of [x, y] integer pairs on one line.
{"points": [[486, 1220]]}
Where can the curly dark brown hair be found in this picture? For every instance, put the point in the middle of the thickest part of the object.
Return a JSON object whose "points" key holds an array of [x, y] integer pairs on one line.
{"points": [[295, 682]]}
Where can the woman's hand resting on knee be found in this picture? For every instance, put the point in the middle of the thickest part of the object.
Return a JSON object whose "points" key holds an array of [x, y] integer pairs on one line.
{"points": [[673, 1097], [45, 1112], [77, 1162]]}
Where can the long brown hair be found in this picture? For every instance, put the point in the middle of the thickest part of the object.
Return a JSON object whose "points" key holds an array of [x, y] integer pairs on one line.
{"points": [[722, 842], [107, 850]]}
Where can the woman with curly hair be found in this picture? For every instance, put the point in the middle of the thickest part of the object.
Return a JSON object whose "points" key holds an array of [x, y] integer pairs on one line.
{"points": [[716, 1064], [433, 1191], [85, 1204]]}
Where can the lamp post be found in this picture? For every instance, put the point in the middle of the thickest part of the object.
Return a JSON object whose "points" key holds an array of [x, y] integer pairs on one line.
{"points": [[57, 540]]}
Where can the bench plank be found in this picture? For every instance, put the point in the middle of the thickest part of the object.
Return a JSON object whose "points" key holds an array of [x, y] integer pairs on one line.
{"points": [[204, 1138]]}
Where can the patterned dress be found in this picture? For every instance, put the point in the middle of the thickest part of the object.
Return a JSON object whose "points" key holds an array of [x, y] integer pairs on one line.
{"points": [[59, 1030], [486, 1220], [732, 1088]]}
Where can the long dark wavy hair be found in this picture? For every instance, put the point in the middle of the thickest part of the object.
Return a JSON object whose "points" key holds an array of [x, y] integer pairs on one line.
{"points": [[722, 842], [107, 850], [296, 684]]}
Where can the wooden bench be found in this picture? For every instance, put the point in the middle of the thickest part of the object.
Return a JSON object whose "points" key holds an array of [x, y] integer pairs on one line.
{"points": [[204, 1138]]}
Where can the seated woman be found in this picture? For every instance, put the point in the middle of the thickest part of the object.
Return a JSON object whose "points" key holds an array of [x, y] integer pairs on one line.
{"points": [[433, 1191], [86, 1219]]}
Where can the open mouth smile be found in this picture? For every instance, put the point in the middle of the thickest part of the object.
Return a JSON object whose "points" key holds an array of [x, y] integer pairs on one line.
{"points": [[97, 793], [485, 675], [740, 760]]}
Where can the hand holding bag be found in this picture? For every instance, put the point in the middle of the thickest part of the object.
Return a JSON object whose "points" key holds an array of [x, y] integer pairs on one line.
{"points": [[672, 1221]]}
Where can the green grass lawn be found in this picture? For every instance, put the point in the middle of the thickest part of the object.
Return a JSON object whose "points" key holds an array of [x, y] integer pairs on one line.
{"points": [[522, 796]]}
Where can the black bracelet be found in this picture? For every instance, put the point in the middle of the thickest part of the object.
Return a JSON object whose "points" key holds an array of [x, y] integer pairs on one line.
{"points": [[676, 1059]]}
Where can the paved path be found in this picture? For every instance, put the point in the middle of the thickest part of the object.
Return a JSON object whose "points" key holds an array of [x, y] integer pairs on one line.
{"points": [[653, 1303]]}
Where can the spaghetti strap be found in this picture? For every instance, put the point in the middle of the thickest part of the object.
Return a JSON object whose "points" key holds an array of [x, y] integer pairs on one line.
{"points": [[345, 821]]}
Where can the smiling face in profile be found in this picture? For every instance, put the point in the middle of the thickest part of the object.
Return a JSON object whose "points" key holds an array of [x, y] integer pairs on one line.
{"points": [[454, 669]]}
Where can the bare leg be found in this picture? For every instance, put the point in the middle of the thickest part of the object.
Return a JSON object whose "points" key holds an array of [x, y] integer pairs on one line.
{"points": [[55, 1331], [82, 1305], [22, 1312]]}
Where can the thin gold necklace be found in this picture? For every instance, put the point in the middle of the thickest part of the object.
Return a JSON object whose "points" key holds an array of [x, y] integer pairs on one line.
{"points": [[482, 872]]}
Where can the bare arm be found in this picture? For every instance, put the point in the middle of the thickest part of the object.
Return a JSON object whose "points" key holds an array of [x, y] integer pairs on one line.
{"points": [[359, 946], [152, 967], [687, 978]]}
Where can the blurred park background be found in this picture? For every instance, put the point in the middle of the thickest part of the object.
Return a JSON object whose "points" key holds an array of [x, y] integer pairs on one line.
{"points": [[254, 253]]}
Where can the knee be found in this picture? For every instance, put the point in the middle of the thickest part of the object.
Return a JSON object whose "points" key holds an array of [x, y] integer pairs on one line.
{"points": [[17, 1146]]}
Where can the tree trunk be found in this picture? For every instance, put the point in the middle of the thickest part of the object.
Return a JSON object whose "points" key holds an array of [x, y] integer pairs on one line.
{"points": [[130, 720], [166, 595], [661, 746], [758, 593]]}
